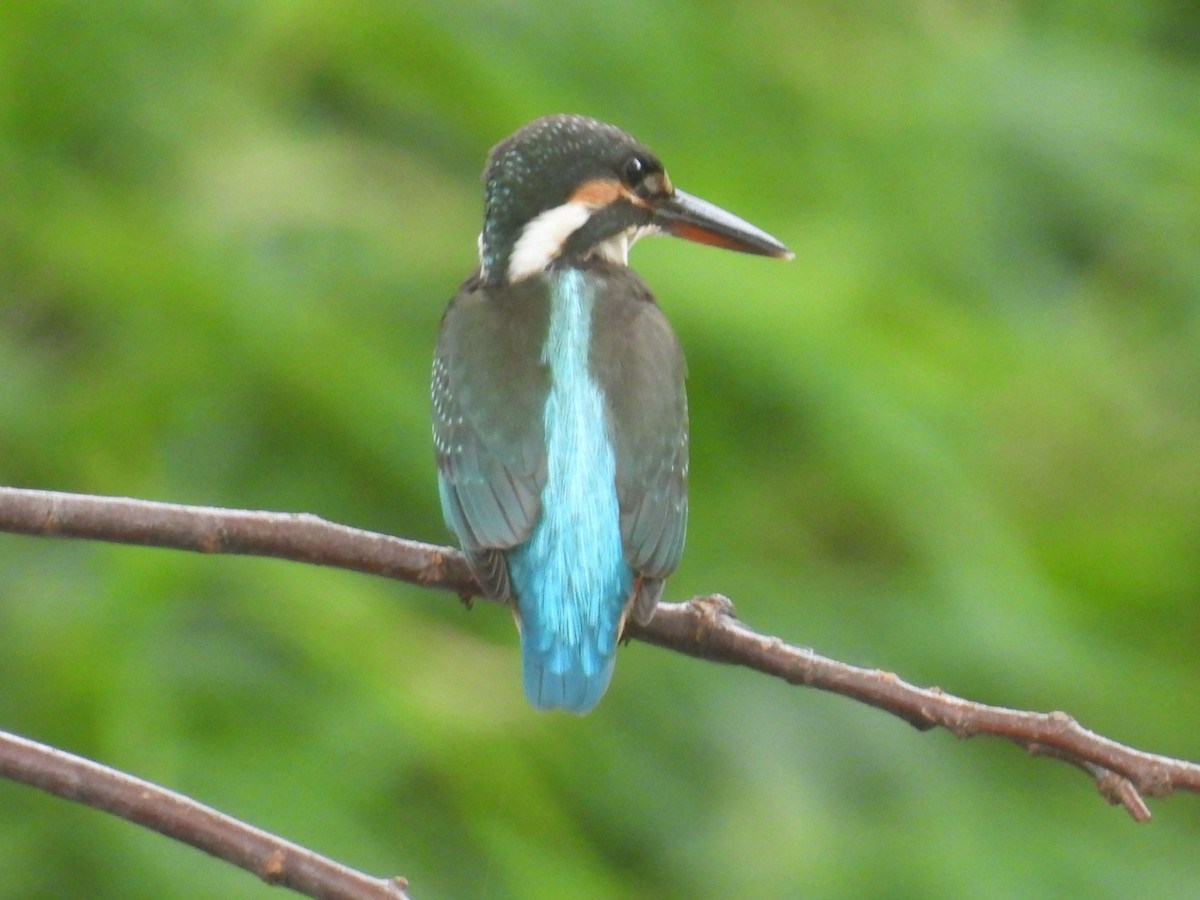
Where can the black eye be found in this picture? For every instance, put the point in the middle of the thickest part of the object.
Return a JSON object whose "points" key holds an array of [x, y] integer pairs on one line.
{"points": [[635, 170]]}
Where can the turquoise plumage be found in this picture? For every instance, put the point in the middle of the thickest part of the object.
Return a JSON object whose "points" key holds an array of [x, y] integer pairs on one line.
{"points": [[559, 410], [550, 510], [571, 575]]}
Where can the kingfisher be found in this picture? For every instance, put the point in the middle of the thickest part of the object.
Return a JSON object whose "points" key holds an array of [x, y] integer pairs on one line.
{"points": [[560, 417]]}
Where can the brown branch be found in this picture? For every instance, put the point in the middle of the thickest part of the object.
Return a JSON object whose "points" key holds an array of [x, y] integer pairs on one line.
{"points": [[204, 529], [704, 627], [272, 859]]}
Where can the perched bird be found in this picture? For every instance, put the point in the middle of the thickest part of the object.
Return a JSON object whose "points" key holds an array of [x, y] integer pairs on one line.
{"points": [[559, 413]]}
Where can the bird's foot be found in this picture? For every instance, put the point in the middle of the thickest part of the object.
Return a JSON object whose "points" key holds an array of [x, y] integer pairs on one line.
{"points": [[712, 606]]}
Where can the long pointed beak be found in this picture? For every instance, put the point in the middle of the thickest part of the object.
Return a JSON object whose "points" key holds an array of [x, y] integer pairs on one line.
{"points": [[698, 220]]}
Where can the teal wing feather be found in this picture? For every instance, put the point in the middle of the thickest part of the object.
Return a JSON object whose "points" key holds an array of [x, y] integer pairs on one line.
{"points": [[641, 366], [489, 389]]}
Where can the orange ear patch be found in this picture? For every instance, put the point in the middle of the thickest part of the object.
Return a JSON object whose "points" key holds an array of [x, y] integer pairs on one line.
{"points": [[598, 193]]}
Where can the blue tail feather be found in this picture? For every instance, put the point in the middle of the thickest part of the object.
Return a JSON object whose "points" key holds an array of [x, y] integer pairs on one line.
{"points": [[562, 678], [570, 615]]}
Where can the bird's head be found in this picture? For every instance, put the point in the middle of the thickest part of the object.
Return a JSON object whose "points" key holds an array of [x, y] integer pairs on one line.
{"points": [[571, 187]]}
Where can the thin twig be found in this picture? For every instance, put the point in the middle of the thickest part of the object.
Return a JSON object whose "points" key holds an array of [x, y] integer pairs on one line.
{"points": [[704, 627], [272, 859]]}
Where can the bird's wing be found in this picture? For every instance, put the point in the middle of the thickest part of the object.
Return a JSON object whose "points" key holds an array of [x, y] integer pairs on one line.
{"points": [[641, 367], [653, 495], [489, 389], [654, 518]]}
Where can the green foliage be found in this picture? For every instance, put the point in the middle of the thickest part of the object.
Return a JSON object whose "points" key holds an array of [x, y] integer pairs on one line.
{"points": [[958, 437]]}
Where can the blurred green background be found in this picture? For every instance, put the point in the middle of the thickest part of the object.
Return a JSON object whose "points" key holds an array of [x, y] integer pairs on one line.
{"points": [[958, 437]]}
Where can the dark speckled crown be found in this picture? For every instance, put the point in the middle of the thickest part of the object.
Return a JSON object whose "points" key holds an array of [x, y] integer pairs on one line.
{"points": [[537, 169]]}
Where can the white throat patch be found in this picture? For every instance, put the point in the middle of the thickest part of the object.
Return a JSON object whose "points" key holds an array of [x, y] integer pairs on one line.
{"points": [[542, 240]]}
